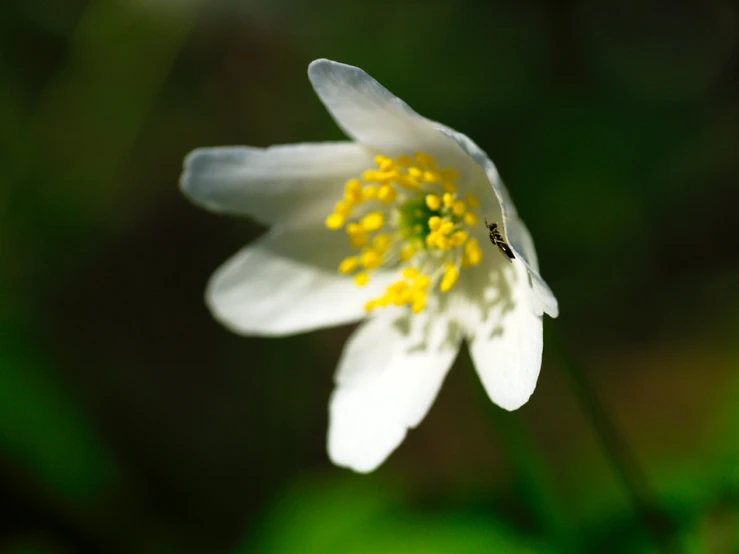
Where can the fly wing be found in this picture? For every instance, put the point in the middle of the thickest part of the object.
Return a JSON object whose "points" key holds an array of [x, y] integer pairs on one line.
{"points": [[506, 250]]}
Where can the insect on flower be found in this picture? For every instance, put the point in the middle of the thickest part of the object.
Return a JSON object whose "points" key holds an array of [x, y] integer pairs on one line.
{"points": [[497, 240]]}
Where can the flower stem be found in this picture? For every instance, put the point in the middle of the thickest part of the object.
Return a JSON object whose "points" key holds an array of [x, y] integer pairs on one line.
{"points": [[617, 452], [532, 478]]}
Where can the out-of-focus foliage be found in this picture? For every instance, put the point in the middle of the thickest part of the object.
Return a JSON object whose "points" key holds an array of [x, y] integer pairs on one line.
{"points": [[131, 422]]}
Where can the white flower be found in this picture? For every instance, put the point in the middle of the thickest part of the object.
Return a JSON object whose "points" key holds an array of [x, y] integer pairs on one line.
{"points": [[387, 228]]}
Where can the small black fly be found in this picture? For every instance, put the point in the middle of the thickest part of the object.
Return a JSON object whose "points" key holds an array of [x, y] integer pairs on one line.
{"points": [[497, 240]]}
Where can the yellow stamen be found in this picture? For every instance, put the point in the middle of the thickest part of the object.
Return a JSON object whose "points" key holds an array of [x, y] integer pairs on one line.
{"points": [[449, 174], [446, 228], [410, 273], [470, 219], [414, 172], [335, 221], [348, 265], [424, 161], [353, 185], [343, 208], [373, 221], [426, 223], [404, 161], [371, 259], [472, 201], [370, 192], [381, 242], [459, 238], [370, 176], [433, 202], [450, 277], [386, 194], [431, 177], [421, 282], [407, 253], [361, 278], [458, 208]]}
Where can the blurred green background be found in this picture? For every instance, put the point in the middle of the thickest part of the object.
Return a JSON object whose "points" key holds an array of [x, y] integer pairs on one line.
{"points": [[131, 422]]}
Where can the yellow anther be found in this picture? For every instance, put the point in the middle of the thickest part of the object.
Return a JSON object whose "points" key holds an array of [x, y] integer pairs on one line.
{"points": [[446, 228], [407, 253], [449, 174], [424, 161], [470, 219], [353, 185], [448, 199], [371, 259], [431, 239], [443, 243], [353, 198], [370, 176], [384, 163], [414, 172], [370, 305], [397, 287], [421, 282], [358, 240], [409, 183], [458, 238], [372, 221], [410, 273], [361, 278], [387, 176], [448, 186], [431, 177], [386, 194], [450, 277], [472, 252], [433, 202], [335, 221], [343, 208], [348, 265], [383, 301], [381, 242], [419, 303], [472, 201], [434, 222], [370, 192], [404, 161], [458, 208]]}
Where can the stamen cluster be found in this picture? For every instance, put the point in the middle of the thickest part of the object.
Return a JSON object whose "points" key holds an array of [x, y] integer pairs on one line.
{"points": [[408, 212]]}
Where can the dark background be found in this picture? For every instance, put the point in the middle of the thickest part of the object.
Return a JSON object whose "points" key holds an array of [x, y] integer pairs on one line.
{"points": [[130, 421]]}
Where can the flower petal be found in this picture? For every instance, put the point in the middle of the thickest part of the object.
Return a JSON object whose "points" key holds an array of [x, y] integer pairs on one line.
{"points": [[491, 178], [389, 374], [506, 332], [520, 240], [286, 282], [272, 184]]}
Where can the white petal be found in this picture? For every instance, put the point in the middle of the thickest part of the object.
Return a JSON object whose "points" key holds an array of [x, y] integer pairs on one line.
{"points": [[389, 374], [273, 184], [469, 147], [520, 240], [374, 116], [506, 332], [287, 282]]}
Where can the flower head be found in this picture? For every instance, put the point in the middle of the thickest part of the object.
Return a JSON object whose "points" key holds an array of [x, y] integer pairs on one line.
{"points": [[387, 228]]}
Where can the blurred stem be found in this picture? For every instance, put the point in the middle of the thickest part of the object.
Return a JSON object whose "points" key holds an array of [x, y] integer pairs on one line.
{"points": [[616, 450], [533, 479]]}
